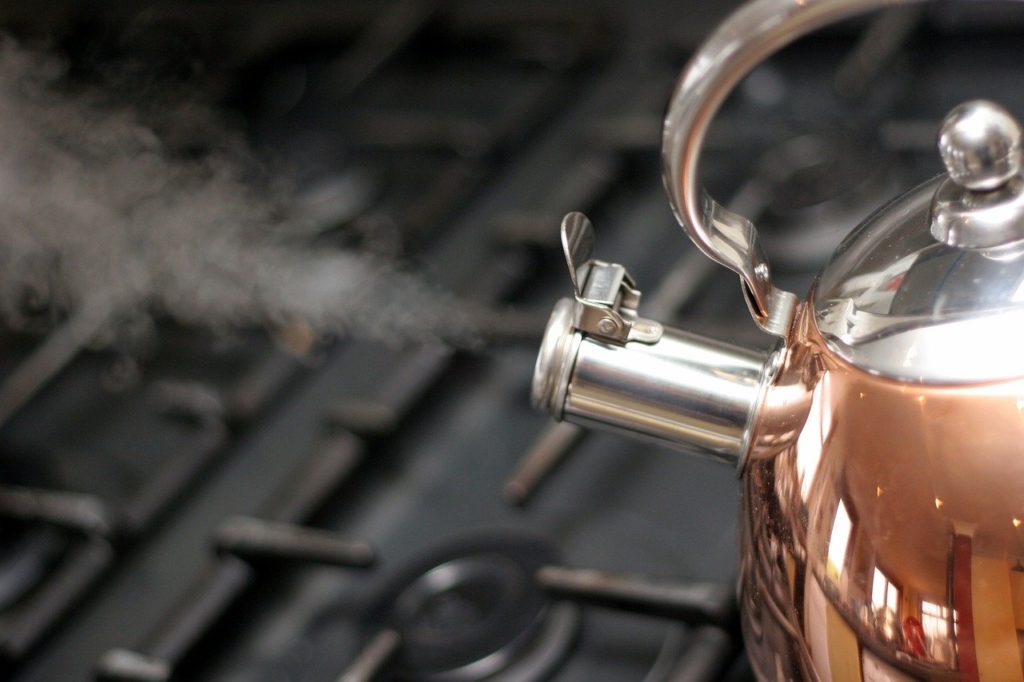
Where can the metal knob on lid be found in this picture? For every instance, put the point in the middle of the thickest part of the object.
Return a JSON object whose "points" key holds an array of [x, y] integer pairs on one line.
{"points": [[980, 144], [981, 205]]}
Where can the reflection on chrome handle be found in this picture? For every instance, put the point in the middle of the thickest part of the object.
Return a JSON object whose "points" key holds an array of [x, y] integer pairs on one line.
{"points": [[745, 39]]}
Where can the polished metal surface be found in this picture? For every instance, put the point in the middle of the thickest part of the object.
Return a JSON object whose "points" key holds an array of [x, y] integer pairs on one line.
{"points": [[746, 38], [968, 219], [553, 369], [880, 451], [892, 301], [981, 206], [980, 145], [606, 295], [883, 525], [882, 498], [684, 391], [897, 303]]}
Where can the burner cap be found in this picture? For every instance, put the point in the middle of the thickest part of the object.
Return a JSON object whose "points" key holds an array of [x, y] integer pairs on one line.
{"points": [[472, 609]]}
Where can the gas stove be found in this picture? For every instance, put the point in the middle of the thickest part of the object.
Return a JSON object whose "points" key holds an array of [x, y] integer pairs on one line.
{"points": [[271, 507]]}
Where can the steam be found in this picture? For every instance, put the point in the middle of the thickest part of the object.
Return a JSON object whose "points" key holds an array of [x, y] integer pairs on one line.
{"points": [[101, 216]]}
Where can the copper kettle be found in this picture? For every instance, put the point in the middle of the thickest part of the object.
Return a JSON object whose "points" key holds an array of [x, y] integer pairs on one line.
{"points": [[881, 443]]}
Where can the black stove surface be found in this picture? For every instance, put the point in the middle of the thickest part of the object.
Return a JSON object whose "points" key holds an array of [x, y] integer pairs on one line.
{"points": [[275, 507]]}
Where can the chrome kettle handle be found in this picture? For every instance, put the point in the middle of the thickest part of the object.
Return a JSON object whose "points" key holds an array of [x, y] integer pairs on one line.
{"points": [[753, 33]]}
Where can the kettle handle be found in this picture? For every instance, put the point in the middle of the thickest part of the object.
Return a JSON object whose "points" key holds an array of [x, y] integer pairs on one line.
{"points": [[753, 33]]}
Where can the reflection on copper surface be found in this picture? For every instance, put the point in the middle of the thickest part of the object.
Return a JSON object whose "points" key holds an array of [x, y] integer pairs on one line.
{"points": [[839, 540], [812, 437], [882, 536]]}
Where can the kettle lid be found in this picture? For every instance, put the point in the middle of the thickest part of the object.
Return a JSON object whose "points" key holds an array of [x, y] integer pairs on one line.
{"points": [[930, 288]]}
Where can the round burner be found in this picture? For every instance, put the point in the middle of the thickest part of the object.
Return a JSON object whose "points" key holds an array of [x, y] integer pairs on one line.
{"points": [[471, 610]]}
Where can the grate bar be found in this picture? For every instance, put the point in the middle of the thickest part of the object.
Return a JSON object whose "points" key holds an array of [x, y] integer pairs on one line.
{"points": [[156, 495], [79, 512], [372, 659], [254, 391], [404, 385], [251, 539], [583, 187], [688, 602], [81, 567], [710, 651], [220, 587], [54, 354], [379, 42], [543, 457]]}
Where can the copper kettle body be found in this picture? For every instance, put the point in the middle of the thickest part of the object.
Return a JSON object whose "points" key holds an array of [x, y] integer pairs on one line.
{"points": [[880, 445]]}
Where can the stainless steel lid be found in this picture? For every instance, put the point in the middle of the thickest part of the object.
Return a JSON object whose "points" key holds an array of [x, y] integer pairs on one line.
{"points": [[930, 289]]}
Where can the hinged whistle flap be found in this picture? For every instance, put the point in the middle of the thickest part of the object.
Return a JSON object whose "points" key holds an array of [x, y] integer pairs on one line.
{"points": [[606, 294]]}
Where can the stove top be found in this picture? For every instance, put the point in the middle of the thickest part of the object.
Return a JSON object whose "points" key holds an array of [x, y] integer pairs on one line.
{"points": [[279, 507]]}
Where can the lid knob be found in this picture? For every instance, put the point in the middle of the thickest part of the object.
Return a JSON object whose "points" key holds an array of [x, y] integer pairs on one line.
{"points": [[980, 144]]}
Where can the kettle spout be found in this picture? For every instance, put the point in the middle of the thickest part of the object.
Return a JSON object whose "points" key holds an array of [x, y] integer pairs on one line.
{"points": [[601, 365], [684, 391]]}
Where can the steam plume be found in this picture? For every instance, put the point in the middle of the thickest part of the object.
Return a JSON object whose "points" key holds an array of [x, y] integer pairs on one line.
{"points": [[98, 211]]}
